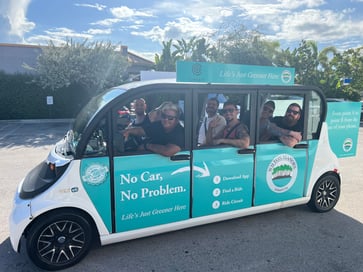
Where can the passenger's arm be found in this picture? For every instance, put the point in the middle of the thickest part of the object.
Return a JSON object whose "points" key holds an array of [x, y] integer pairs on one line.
{"points": [[279, 132], [167, 150], [136, 131], [242, 139], [240, 143], [288, 140]]}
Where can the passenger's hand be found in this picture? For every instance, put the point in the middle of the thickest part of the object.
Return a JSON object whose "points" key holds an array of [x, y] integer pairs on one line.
{"points": [[296, 135], [217, 141], [214, 122]]}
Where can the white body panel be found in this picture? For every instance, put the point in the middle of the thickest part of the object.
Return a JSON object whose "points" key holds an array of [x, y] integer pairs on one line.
{"points": [[325, 160], [59, 195]]}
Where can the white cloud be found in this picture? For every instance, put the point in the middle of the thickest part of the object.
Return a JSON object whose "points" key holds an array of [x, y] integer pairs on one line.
{"points": [[93, 31], [294, 4], [58, 36], [67, 33], [95, 6], [107, 22], [124, 12], [181, 28], [318, 25], [44, 39], [13, 20], [195, 10]]}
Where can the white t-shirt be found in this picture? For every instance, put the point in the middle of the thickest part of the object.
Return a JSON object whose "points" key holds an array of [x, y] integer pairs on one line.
{"points": [[204, 128]]}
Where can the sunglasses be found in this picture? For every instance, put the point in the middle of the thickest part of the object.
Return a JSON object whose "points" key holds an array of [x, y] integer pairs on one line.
{"points": [[168, 117], [294, 112], [268, 110], [228, 110]]}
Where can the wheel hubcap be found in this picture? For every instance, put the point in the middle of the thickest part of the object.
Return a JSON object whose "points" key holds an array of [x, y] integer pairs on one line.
{"points": [[61, 242], [61, 239], [327, 194]]}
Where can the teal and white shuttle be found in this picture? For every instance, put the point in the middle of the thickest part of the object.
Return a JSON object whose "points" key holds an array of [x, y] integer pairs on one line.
{"points": [[95, 187]]}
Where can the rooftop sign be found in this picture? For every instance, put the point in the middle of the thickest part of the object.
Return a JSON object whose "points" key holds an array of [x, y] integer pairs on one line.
{"points": [[212, 72]]}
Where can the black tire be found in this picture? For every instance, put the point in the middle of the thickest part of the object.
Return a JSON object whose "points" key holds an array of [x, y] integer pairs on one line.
{"points": [[325, 194], [59, 240]]}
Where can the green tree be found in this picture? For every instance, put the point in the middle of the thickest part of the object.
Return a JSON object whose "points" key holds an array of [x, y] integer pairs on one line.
{"points": [[305, 61], [242, 46], [203, 51], [192, 50], [166, 61], [94, 66], [184, 49], [349, 64]]}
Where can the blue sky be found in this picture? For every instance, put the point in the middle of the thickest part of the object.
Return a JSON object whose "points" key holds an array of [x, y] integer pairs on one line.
{"points": [[143, 25]]}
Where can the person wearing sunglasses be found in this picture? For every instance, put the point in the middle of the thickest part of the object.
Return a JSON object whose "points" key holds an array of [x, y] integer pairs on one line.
{"points": [[213, 122], [287, 128], [165, 136], [235, 133]]}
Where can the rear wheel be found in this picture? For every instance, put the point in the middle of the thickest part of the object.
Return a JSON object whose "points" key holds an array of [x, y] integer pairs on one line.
{"points": [[325, 194], [59, 240]]}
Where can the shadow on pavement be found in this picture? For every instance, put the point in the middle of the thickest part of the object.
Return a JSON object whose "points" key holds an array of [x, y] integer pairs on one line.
{"points": [[32, 134], [293, 239]]}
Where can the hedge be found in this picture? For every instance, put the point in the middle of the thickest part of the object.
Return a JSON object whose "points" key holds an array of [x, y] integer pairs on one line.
{"points": [[22, 98]]}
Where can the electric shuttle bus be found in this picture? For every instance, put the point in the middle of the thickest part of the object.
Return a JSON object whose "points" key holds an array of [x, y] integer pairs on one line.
{"points": [[97, 187]]}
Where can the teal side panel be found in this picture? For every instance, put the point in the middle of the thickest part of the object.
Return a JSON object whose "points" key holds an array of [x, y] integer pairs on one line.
{"points": [[343, 120], [280, 173], [150, 190], [95, 176], [222, 181]]}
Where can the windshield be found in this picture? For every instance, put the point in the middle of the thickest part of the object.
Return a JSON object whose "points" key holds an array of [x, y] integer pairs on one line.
{"points": [[88, 112]]}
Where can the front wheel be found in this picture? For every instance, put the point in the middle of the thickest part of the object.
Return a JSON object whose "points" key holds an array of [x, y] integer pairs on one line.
{"points": [[59, 240], [325, 194]]}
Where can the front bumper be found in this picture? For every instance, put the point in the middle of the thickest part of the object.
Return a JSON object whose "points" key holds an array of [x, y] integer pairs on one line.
{"points": [[19, 219]]}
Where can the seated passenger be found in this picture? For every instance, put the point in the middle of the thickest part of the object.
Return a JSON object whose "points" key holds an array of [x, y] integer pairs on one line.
{"points": [[234, 133], [212, 116], [265, 118], [124, 118], [165, 137], [142, 118], [155, 114], [287, 128]]}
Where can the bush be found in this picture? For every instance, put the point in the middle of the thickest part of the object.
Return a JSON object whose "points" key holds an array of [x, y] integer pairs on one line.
{"points": [[22, 98]]}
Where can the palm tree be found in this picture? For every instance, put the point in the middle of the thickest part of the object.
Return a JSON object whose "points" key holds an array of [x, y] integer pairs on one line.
{"points": [[167, 60]]}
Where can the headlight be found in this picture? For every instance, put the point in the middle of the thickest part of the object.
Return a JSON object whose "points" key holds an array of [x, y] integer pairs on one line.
{"points": [[40, 179]]}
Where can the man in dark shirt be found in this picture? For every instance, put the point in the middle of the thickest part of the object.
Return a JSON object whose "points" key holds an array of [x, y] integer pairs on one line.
{"points": [[142, 118], [166, 137], [292, 128]]}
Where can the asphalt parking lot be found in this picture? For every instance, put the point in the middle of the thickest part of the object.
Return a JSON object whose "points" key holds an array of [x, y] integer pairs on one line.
{"points": [[293, 239]]}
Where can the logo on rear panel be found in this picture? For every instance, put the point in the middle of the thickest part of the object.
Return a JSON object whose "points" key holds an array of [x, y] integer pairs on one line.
{"points": [[348, 144], [95, 174], [281, 173]]}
